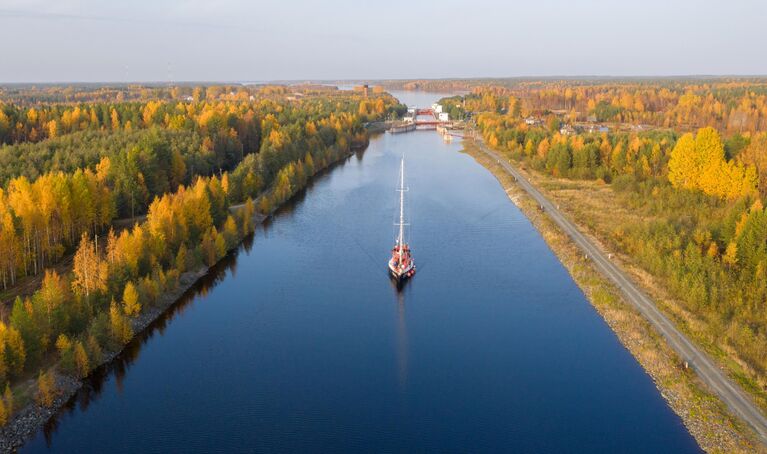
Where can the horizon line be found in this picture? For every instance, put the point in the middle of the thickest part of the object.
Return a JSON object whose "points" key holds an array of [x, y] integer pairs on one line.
{"points": [[387, 79]]}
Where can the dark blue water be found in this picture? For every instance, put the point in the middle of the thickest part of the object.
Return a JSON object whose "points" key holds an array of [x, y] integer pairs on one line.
{"points": [[301, 343]]}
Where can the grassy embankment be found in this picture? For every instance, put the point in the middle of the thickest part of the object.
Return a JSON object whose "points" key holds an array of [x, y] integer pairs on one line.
{"points": [[705, 416]]}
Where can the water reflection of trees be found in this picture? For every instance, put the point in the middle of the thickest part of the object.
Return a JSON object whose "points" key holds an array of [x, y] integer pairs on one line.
{"points": [[118, 368]]}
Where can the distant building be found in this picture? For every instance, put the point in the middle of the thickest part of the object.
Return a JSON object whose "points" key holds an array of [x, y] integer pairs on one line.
{"points": [[567, 130], [443, 116], [596, 129], [591, 118], [530, 121], [436, 108]]}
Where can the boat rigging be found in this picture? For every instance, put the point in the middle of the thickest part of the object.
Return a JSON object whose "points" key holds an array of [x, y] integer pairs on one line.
{"points": [[401, 264]]}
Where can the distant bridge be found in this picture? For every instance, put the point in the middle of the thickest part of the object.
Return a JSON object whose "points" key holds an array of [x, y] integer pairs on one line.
{"points": [[432, 120]]}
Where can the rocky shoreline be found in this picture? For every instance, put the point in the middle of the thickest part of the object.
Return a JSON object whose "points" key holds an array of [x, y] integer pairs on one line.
{"points": [[27, 422]]}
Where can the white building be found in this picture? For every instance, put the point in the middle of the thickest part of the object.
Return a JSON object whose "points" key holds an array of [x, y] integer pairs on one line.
{"points": [[443, 116], [437, 108], [597, 128]]}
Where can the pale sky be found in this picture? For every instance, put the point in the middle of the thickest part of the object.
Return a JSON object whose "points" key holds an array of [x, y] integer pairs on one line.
{"points": [[256, 40]]}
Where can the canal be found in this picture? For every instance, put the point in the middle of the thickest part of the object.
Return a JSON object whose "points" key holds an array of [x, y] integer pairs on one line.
{"points": [[300, 342]]}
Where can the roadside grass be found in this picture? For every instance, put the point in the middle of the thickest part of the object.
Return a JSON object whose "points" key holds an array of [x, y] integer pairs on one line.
{"points": [[603, 213], [594, 206]]}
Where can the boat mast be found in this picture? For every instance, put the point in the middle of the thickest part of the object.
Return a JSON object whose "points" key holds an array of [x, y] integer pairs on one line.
{"points": [[401, 239]]}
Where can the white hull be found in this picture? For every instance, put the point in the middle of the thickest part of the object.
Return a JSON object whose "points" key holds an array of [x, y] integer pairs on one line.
{"points": [[401, 273]]}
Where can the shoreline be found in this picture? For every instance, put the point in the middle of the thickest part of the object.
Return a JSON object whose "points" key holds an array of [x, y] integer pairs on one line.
{"points": [[29, 420], [703, 414], [33, 417], [706, 419]]}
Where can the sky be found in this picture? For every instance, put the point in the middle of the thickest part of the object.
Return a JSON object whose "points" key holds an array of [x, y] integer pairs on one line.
{"points": [[258, 40]]}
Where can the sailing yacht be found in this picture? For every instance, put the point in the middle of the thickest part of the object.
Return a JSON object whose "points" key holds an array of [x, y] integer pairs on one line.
{"points": [[401, 264]]}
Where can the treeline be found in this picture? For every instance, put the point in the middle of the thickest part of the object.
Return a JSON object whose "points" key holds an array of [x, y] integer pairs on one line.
{"points": [[727, 169], [85, 149], [711, 256], [730, 106], [434, 85], [704, 229], [31, 95], [116, 277], [212, 110], [88, 314], [32, 124], [605, 156], [39, 220], [59, 188], [699, 163]]}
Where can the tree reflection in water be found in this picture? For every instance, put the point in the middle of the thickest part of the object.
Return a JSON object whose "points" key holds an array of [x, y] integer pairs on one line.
{"points": [[118, 367], [93, 385]]}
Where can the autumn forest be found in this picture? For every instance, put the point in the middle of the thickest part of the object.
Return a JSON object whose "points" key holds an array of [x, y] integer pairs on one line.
{"points": [[113, 199], [108, 197], [688, 160]]}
